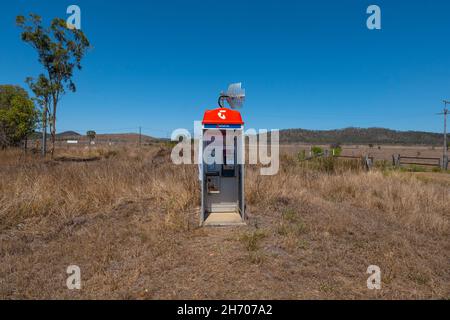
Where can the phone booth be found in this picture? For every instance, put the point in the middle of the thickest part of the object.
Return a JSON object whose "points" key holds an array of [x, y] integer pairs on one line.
{"points": [[222, 167]]}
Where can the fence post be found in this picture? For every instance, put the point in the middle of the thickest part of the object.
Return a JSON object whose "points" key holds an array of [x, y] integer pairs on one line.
{"points": [[396, 160], [367, 162], [445, 162]]}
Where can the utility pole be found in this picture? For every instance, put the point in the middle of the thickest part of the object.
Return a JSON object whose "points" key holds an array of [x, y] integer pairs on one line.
{"points": [[445, 155], [140, 136]]}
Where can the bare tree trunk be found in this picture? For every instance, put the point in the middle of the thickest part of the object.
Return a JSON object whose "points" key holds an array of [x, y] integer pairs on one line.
{"points": [[44, 131], [3, 140], [53, 130]]}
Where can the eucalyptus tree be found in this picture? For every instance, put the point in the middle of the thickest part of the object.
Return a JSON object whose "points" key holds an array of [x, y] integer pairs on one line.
{"points": [[43, 96], [18, 116], [60, 51]]}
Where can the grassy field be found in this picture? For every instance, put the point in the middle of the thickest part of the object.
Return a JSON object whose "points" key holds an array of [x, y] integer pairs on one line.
{"points": [[129, 220]]}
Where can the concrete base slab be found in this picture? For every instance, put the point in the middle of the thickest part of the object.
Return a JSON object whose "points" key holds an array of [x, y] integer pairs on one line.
{"points": [[224, 219]]}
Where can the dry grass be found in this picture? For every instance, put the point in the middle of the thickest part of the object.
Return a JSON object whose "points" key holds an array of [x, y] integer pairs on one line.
{"points": [[129, 221]]}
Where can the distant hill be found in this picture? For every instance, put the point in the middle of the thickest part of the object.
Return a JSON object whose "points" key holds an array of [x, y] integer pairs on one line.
{"points": [[287, 136], [109, 137], [68, 134], [360, 136], [125, 137]]}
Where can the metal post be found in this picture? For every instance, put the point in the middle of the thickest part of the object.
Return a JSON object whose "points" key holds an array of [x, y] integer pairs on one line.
{"points": [[368, 162], [396, 160], [140, 136], [445, 154]]}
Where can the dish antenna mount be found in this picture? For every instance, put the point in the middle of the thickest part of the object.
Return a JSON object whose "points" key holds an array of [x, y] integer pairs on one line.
{"points": [[235, 96]]}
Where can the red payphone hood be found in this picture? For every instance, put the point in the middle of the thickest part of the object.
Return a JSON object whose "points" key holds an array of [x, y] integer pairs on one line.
{"points": [[222, 116]]}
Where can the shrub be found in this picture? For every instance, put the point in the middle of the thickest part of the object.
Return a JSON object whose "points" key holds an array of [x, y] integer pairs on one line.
{"points": [[18, 115], [316, 151], [336, 151]]}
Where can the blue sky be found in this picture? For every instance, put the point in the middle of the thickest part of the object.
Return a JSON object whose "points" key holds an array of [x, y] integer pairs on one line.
{"points": [[304, 64]]}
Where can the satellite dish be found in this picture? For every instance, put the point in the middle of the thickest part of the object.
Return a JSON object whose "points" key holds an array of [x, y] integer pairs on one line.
{"points": [[235, 96]]}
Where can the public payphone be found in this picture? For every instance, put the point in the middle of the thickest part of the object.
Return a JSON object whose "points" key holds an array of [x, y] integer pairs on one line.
{"points": [[222, 165]]}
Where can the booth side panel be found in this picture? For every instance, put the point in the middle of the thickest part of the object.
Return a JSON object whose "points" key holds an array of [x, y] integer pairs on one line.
{"points": [[242, 174]]}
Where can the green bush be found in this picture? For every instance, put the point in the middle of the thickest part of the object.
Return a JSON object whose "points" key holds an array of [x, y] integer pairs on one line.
{"points": [[336, 151], [336, 147], [316, 151], [18, 115]]}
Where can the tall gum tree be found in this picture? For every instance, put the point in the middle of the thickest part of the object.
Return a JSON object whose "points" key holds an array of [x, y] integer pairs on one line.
{"points": [[60, 51], [41, 90]]}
